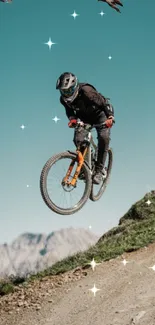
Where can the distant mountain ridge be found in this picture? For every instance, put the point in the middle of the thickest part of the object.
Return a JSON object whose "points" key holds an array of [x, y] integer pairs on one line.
{"points": [[30, 253]]}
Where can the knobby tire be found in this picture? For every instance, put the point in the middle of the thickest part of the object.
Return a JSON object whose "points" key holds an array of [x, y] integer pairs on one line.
{"points": [[43, 187]]}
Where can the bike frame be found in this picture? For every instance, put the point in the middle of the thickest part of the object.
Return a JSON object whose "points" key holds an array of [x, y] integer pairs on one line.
{"points": [[81, 158]]}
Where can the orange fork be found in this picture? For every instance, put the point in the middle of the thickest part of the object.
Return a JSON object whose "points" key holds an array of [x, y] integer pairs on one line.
{"points": [[78, 169]]}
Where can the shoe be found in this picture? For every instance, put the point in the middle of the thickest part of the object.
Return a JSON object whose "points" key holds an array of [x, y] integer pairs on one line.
{"points": [[104, 173], [99, 176]]}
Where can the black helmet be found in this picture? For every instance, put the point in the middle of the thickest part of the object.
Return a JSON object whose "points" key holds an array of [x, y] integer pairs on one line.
{"points": [[67, 84]]}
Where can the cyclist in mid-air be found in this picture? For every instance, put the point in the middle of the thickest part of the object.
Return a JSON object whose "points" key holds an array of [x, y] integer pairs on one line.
{"points": [[83, 102]]}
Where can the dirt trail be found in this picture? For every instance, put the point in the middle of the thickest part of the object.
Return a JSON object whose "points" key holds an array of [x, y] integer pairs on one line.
{"points": [[126, 296]]}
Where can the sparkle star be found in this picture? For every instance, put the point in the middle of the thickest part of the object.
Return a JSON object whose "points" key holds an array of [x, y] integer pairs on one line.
{"points": [[152, 267], [101, 13], [74, 15], [27, 185], [49, 43], [90, 227], [124, 262], [109, 57], [56, 119], [22, 127], [93, 264], [94, 290], [148, 202]]}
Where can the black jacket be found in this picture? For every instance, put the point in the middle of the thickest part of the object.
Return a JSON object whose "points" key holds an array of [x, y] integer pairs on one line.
{"points": [[89, 106]]}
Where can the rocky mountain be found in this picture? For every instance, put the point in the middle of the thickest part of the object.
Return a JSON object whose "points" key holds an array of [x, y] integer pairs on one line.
{"points": [[31, 253]]}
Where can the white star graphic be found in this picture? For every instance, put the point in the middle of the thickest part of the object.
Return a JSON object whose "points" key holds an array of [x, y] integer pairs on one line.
{"points": [[152, 267], [56, 119], [124, 262], [101, 13], [109, 57], [74, 15], [93, 264], [90, 227], [27, 185], [148, 202], [94, 290], [22, 127], [49, 43]]}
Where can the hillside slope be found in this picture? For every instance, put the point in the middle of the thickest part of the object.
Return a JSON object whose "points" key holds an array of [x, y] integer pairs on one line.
{"points": [[126, 296], [61, 294]]}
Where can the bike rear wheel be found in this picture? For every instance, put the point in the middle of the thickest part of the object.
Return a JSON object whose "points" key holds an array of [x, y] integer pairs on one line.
{"points": [[102, 187], [64, 159]]}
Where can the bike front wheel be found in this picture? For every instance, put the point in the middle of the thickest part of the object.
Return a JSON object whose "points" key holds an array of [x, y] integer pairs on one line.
{"points": [[59, 198]]}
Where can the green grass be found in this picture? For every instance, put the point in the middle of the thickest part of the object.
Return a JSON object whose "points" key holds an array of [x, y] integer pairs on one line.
{"points": [[6, 288], [136, 229]]}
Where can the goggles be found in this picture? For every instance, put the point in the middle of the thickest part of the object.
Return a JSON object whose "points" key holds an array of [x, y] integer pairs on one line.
{"points": [[68, 92]]}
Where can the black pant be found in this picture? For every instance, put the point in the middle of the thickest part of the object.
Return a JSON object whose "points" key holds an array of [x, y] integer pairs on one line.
{"points": [[103, 136]]}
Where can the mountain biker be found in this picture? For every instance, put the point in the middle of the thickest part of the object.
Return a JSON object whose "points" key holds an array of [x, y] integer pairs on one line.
{"points": [[83, 102]]}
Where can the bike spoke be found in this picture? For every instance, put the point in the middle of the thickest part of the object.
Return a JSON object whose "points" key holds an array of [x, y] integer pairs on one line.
{"points": [[61, 196]]}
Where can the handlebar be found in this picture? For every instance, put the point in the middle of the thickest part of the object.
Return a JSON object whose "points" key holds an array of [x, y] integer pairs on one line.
{"points": [[89, 127]]}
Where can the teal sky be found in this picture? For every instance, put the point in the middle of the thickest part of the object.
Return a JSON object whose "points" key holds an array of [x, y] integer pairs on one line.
{"points": [[28, 74]]}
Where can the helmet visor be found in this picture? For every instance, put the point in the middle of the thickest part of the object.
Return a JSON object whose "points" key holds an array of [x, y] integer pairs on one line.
{"points": [[68, 92]]}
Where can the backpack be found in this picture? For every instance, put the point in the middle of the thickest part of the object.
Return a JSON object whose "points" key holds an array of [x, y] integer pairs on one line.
{"points": [[106, 99]]}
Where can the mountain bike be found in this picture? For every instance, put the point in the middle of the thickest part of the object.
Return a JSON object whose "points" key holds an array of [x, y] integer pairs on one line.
{"points": [[82, 161]]}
